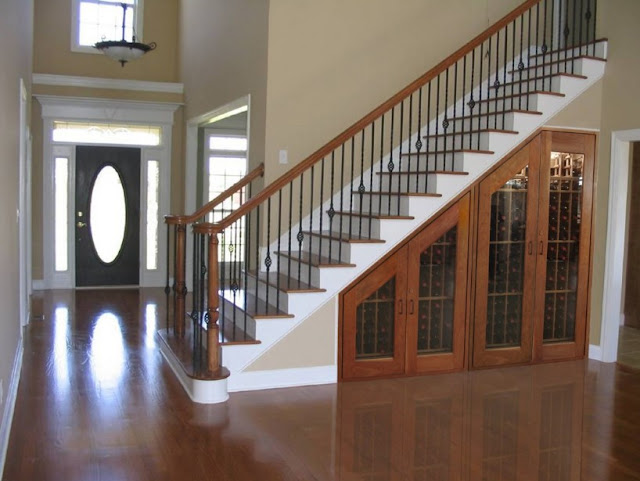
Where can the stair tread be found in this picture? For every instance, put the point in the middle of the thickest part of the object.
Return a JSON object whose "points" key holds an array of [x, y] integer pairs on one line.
{"points": [[284, 282], [465, 132], [255, 307], [554, 62], [314, 260], [345, 237], [523, 94], [376, 216], [423, 172], [586, 44], [407, 194], [449, 151], [488, 114], [541, 77]]}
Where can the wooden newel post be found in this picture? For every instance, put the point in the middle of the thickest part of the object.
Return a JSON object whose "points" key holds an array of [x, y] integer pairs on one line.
{"points": [[180, 285], [213, 329]]}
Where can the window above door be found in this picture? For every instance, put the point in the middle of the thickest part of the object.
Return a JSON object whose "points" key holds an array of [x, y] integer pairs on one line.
{"points": [[96, 20]]}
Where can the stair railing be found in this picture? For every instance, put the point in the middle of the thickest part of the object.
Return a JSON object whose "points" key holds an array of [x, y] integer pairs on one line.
{"points": [[177, 233], [278, 238]]}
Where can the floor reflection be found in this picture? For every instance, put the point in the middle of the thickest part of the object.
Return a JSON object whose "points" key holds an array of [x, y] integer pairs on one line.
{"points": [[507, 424], [107, 406]]}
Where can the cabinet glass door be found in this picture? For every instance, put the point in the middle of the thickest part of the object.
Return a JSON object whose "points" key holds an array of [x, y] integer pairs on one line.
{"points": [[564, 225], [437, 293], [374, 321], [506, 261]]}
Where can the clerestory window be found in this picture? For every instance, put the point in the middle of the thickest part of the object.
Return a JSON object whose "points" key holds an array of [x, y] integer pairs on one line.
{"points": [[96, 20]]}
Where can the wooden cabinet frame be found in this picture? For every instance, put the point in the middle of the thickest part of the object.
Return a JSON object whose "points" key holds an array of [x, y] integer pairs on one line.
{"points": [[404, 266]]}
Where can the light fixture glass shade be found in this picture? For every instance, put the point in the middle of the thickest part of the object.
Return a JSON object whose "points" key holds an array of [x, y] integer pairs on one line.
{"points": [[124, 51]]}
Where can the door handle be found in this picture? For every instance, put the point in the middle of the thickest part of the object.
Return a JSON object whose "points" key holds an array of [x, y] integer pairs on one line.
{"points": [[541, 248], [81, 224], [530, 248], [411, 307], [400, 307]]}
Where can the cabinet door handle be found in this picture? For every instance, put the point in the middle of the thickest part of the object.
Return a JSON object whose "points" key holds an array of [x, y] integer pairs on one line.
{"points": [[400, 311], [411, 306], [541, 248], [530, 248]]}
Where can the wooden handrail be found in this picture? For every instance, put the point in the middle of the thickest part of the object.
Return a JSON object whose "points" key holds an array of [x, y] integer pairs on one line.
{"points": [[209, 206], [301, 167]]}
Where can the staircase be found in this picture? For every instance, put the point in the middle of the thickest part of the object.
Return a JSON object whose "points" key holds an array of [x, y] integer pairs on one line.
{"points": [[294, 246]]}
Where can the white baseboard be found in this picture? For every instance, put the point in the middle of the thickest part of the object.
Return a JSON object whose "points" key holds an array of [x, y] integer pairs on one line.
{"points": [[278, 378], [595, 352], [37, 284], [9, 405]]}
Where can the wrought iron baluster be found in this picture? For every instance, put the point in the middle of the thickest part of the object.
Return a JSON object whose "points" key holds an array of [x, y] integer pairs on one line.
{"points": [[521, 66], [353, 143], [573, 39], [373, 136], [380, 162], [535, 74], [455, 98], [341, 201], [472, 103], [419, 140], [391, 165], [267, 260], [361, 187], [279, 253], [409, 128], [595, 23], [464, 90], [258, 265], [300, 235], [427, 151], [289, 233], [321, 213], [544, 46], [504, 75], [400, 155], [445, 120], [480, 81], [435, 163], [311, 218], [332, 211], [247, 251], [529, 58], [223, 282], [496, 85]]}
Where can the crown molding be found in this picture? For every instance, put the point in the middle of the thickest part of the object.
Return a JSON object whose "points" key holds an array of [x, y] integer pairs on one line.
{"points": [[107, 83]]}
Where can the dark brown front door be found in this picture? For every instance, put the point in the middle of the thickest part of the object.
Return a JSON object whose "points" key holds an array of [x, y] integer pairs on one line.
{"points": [[107, 216]]}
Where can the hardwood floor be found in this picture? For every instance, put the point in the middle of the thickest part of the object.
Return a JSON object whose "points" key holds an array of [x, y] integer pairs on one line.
{"points": [[96, 401]]}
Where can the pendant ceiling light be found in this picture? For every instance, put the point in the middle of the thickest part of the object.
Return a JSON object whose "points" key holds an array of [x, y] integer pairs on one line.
{"points": [[122, 50]]}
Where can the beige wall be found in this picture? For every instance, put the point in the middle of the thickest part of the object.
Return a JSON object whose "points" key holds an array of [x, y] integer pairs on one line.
{"points": [[223, 55], [302, 347], [331, 61], [53, 55], [618, 21], [16, 29]]}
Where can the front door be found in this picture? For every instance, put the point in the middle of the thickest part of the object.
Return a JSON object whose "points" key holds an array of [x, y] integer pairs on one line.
{"points": [[107, 218]]}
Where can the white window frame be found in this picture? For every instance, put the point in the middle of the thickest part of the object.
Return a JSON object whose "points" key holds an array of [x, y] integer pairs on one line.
{"points": [[138, 22], [58, 108], [208, 153]]}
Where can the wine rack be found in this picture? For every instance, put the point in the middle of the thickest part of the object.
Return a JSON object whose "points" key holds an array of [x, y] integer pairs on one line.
{"points": [[436, 295], [375, 319]]}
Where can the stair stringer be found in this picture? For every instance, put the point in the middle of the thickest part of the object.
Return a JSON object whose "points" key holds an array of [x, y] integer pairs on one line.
{"points": [[237, 358]]}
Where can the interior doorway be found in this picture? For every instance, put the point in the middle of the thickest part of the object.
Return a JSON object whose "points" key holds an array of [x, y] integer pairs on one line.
{"points": [[629, 340], [107, 216]]}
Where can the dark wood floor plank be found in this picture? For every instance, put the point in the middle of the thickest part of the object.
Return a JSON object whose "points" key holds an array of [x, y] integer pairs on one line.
{"points": [[97, 402]]}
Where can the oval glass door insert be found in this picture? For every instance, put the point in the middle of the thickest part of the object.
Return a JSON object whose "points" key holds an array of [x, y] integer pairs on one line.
{"points": [[107, 214]]}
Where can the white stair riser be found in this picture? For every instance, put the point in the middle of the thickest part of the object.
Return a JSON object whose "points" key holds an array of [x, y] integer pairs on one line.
{"points": [[356, 225], [331, 248], [387, 204], [228, 310], [264, 292], [537, 58]]}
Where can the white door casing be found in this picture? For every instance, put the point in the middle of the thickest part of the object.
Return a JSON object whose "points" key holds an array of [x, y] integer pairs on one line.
{"points": [[103, 111]]}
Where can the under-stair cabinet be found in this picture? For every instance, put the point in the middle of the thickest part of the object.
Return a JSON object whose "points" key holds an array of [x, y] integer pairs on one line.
{"points": [[500, 277]]}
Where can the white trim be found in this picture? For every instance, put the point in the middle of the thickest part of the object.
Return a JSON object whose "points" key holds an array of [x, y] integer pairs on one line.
{"points": [[595, 352], [100, 110], [107, 83], [191, 157], [615, 247], [199, 391], [38, 284], [24, 221], [279, 378], [10, 404]]}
